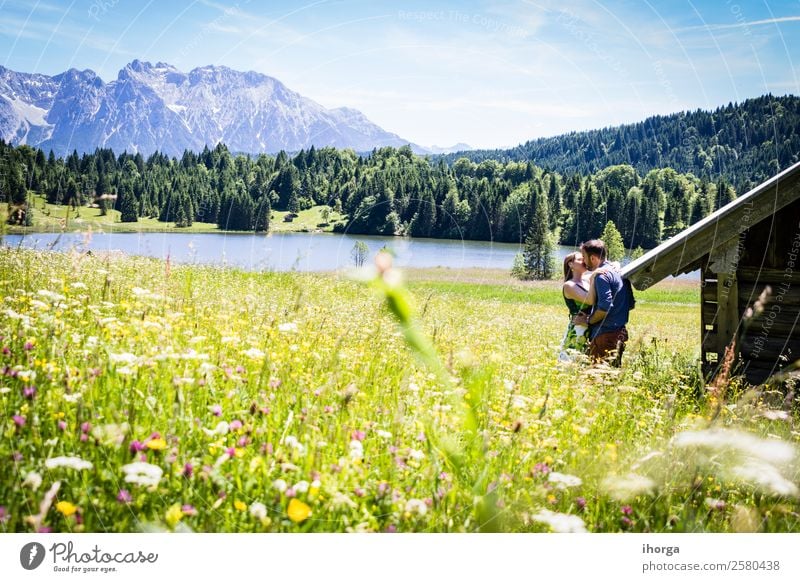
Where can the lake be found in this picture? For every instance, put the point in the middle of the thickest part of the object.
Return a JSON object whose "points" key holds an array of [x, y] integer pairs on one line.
{"points": [[284, 251]]}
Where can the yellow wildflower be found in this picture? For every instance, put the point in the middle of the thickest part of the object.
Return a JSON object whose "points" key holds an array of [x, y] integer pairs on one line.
{"points": [[298, 511], [158, 444], [240, 505], [174, 514], [66, 508]]}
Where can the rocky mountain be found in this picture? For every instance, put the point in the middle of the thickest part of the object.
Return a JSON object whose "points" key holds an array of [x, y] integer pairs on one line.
{"points": [[157, 107]]}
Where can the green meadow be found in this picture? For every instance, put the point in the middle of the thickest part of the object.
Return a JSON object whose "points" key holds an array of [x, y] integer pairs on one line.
{"points": [[138, 395]]}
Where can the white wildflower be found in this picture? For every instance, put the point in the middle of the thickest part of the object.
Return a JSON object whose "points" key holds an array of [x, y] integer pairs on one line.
{"points": [[339, 499], [70, 462], [629, 486], [258, 510], [301, 486], [521, 401], [412, 386], [561, 522], [54, 297], [766, 477], [73, 398], [416, 506], [291, 441], [416, 454], [32, 480], [141, 473], [563, 481], [776, 452], [280, 485], [509, 385], [124, 358], [776, 415], [78, 285], [356, 450], [221, 428], [111, 435], [383, 434], [254, 354], [287, 327]]}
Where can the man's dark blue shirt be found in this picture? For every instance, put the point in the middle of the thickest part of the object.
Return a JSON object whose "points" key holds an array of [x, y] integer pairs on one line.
{"points": [[612, 297]]}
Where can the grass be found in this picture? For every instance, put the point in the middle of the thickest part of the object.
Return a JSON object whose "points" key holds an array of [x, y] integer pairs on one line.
{"points": [[57, 218], [208, 399]]}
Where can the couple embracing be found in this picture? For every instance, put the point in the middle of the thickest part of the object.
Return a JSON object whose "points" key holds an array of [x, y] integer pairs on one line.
{"points": [[599, 302]]}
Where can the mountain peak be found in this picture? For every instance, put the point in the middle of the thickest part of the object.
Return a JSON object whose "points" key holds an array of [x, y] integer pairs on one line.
{"points": [[158, 107]]}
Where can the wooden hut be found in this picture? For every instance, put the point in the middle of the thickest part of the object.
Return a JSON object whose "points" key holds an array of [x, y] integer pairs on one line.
{"points": [[747, 249]]}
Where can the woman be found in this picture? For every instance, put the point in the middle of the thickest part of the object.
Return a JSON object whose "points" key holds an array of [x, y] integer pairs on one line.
{"points": [[578, 297]]}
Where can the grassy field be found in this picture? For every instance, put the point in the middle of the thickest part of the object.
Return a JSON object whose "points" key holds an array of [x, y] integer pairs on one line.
{"points": [[138, 395], [58, 218]]}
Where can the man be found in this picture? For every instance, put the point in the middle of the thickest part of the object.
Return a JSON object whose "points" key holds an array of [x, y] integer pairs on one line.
{"points": [[612, 304]]}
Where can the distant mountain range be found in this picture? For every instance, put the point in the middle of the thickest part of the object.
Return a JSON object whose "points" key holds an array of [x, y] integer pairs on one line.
{"points": [[157, 107]]}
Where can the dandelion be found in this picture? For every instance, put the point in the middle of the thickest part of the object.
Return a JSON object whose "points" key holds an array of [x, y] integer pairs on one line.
{"points": [[174, 514], [75, 463], [157, 444], [141, 473], [298, 511], [66, 508], [239, 505], [561, 522]]}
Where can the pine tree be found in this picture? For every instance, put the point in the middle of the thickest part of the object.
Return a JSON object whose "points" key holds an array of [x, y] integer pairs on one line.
{"points": [[263, 211], [613, 239], [127, 204], [539, 244]]}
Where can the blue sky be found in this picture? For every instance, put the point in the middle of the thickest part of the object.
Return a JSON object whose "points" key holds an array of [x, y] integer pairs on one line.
{"points": [[491, 74]]}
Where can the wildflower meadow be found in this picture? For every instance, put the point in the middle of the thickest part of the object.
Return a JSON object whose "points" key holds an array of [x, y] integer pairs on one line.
{"points": [[137, 395]]}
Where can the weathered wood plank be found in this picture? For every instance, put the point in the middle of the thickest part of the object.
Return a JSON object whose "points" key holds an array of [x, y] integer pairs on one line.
{"points": [[673, 256]]}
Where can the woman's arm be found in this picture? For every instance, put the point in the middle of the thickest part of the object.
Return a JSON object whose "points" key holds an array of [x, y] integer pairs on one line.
{"points": [[572, 291]]}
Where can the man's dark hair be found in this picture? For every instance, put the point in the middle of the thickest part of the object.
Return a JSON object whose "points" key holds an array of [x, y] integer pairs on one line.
{"points": [[595, 247]]}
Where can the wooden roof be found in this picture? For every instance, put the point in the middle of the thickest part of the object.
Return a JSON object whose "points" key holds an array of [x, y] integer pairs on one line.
{"points": [[684, 252]]}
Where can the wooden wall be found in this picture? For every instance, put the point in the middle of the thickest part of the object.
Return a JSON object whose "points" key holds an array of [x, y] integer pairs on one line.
{"points": [[734, 276]]}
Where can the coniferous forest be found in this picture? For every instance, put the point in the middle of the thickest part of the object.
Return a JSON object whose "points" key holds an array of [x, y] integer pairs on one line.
{"points": [[651, 179]]}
